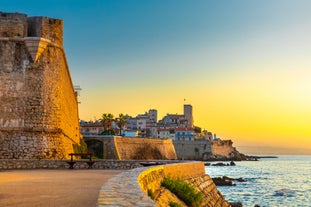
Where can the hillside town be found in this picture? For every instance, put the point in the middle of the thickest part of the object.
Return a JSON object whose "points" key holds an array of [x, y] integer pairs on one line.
{"points": [[171, 126], [189, 142]]}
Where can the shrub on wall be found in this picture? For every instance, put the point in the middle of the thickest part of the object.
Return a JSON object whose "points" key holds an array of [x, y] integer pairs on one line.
{"points": [[151, 194], [183, 191], [173, 204]]}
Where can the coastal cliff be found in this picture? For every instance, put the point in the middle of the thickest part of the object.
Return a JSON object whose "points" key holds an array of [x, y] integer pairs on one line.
{"points": [[223, 149], [207, 150]]}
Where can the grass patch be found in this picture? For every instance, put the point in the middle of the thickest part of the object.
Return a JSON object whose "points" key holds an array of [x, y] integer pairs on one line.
{"points": [[183, 190], [150, 194], [173, 204]]}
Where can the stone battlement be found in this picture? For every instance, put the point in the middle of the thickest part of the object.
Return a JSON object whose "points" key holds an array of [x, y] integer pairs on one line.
{"points": [[36, 32], [19, 25]]}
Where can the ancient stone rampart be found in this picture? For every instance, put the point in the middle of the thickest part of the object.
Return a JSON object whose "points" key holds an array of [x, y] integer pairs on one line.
{"points": [[38, 104], [144, 148], [193, 150], [126, 148]]}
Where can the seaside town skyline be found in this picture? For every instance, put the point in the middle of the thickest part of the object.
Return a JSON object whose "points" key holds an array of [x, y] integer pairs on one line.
{"points": [[149, 121], [244, 66]]}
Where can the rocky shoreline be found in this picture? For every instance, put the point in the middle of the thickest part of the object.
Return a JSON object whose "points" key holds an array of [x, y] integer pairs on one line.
{"points": [[228, 181], [237, 156]]}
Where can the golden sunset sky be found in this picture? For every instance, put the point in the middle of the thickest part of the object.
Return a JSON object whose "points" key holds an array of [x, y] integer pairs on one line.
{"points": [[244, 66]]}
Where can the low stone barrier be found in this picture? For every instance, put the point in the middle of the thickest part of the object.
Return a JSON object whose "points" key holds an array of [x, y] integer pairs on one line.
{"points": [[9, 164]]}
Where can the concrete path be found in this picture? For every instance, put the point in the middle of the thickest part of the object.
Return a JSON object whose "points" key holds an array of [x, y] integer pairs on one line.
{"points": [[52, 188]]}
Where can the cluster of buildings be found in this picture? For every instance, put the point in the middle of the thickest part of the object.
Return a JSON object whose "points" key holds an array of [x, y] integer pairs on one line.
{"points": [[172, 126]]}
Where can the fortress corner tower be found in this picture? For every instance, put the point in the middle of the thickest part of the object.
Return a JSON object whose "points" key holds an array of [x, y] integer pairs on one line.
{"points": [[38, 104]]}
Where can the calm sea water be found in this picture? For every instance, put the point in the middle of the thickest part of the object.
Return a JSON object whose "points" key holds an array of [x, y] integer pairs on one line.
{"points": [[284, 181]]}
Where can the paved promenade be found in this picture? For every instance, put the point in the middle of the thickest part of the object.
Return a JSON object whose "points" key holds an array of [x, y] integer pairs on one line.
{"points": [[52, 188], [123, 191]]}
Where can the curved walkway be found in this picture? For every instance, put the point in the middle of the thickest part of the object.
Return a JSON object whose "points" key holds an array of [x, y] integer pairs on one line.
{"points": [[123, 191], [49, 188]]}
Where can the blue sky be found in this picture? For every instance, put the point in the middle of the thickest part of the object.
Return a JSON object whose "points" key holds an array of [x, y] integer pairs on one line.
{"points": [[243, 64]]}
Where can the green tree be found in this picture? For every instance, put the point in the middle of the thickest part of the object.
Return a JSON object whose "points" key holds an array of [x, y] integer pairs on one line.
{"points": [[197, 129], [121, 121], [107, 119]]}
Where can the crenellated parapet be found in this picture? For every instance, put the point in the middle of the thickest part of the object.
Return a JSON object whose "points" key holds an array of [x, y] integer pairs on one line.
{"points": [[36, 32]]}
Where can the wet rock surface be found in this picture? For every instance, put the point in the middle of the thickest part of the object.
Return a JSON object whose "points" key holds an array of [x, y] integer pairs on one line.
{"points": [[236, 204], [227, 181]]}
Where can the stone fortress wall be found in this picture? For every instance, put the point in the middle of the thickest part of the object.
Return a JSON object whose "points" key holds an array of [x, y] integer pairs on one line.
{"points": [[128, 148], [143, 148], [193, 150], [38, 104]]}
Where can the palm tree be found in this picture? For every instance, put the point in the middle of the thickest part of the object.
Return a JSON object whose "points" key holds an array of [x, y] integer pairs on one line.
{"points": [[121, 121], [107, 120]]}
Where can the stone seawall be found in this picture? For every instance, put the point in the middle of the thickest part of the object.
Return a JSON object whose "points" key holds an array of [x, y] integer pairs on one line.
{"points": [[211, 195], [132, 187], [151, 178]]}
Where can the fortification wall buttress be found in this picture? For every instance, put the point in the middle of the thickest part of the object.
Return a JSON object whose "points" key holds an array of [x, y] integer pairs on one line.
{"points": [[38, 105]]}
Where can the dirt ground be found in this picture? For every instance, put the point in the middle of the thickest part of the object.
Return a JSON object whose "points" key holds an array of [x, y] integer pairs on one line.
{"points": [[52, 188]]}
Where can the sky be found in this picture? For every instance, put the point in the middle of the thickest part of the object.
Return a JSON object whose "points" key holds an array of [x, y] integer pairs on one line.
{"points": [[243, 65]]}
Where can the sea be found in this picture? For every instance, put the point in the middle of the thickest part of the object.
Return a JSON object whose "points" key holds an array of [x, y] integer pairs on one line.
{"points": [[270, 182]]}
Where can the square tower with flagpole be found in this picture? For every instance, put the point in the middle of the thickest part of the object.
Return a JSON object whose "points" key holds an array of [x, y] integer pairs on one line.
{"points": [[188, 115]]}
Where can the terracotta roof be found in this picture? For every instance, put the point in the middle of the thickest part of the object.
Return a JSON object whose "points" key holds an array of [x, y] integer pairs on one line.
{"points": [[184, 129]]}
